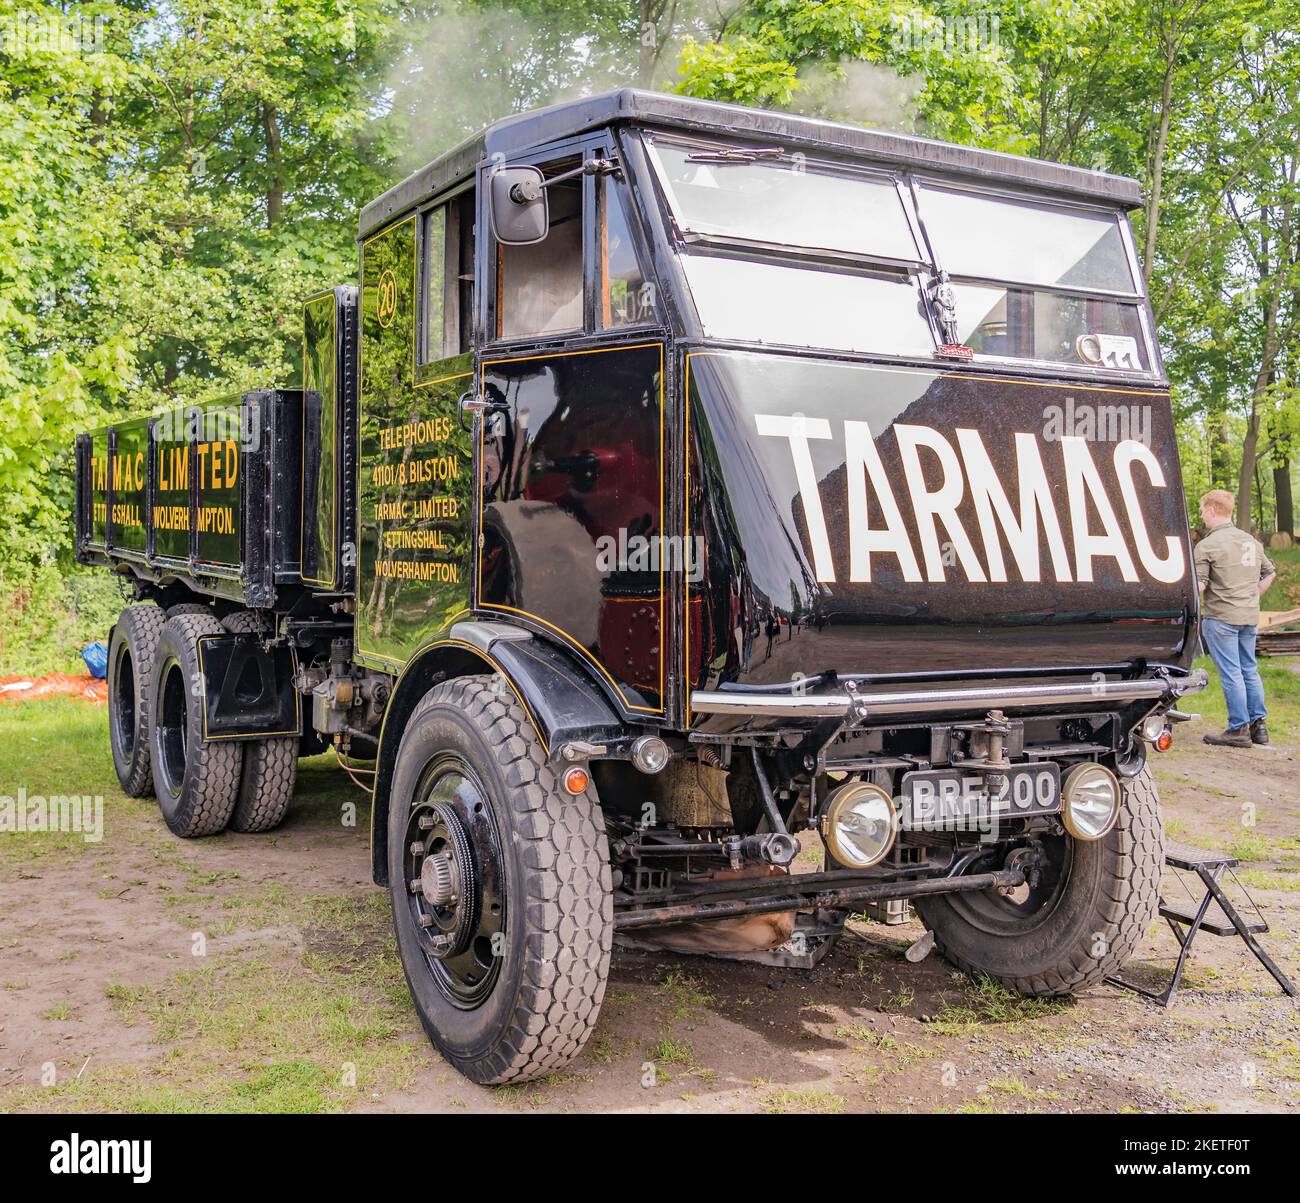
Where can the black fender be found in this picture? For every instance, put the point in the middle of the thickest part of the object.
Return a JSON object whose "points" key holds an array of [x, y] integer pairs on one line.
{"points": [[563, 702]]}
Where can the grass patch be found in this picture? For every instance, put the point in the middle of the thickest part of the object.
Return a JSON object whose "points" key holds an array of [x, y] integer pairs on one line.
{"points": [[683, 995], [58, 747], [812, 1101], [671, 1052], [261, 1033], [1282, 1057], [986, 1003], [1288, 881], [1250, 846]]}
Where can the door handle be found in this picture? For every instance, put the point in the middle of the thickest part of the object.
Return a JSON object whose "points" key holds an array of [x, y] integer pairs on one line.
{"points": [[472, 403]]}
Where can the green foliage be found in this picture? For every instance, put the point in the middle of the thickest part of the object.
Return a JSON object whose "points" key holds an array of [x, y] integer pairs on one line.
{"points": [[177, 177], [51, 612]]}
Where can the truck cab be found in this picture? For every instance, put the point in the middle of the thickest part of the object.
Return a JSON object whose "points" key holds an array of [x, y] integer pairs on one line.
{"points": [[682, 485]]}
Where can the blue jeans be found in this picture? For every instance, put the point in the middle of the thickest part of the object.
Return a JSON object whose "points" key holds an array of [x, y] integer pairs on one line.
{"points": [[1233, 651]]}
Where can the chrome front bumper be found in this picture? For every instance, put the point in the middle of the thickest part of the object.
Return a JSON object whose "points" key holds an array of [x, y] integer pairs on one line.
{"points": [[865, 706]]}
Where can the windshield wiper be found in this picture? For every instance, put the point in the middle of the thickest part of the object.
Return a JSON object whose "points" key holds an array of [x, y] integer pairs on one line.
{"points": [[736, 154]]}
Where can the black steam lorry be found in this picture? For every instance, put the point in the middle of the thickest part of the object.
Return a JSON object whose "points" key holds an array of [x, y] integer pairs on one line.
{"points": [[682, 484]]}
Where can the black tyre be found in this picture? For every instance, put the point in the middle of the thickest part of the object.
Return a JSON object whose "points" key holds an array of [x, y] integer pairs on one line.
{"points": [[506, 939], [188, 608], [196, 783], [270, 765], [1083, 921], [132, 648]]}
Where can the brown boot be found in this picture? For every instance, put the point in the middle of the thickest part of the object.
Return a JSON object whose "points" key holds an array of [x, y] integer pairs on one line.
{"points": [[1258, 732], [1233, 737]]}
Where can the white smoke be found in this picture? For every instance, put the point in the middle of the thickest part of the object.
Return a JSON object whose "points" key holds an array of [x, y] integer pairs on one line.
{"points": [[868, 94], [468, 67]]}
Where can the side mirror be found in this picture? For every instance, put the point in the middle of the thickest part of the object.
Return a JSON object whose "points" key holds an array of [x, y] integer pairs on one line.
{"points": [[518, 207]]}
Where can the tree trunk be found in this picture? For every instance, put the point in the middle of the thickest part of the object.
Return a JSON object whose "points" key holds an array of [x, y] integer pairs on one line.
{"points": [[1282, 494], [1158, 152], [648, 36], [1249, 453], [1221, 465], [274, 166], [99, 116]]}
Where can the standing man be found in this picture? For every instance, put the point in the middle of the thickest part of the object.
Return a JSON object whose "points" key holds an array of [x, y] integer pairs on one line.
{"points": [[1233, 573]]}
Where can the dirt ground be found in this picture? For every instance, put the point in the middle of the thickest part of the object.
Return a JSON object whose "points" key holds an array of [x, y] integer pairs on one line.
{"points": [[256, 973]]}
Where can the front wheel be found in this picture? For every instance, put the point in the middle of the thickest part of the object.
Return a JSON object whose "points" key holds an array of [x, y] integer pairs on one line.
{"points": [[500, 887], [1079, 924]]}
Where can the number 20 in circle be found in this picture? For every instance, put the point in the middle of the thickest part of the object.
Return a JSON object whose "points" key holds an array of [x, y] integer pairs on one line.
{"points": [[387, 297]]}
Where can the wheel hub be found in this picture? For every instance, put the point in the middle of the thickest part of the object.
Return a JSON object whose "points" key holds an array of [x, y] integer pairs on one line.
{"points": [[440, 880], [447, 885], [455, 880]]}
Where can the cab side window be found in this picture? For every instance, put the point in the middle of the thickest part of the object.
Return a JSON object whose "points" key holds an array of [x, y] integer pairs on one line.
{"points": [[625, 297], [447, 266], [539, 287]]}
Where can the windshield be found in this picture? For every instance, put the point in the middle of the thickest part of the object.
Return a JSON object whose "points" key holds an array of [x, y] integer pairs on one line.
{"points": [[779, 249], [1025, 243], [745, 300], [786, 202]]}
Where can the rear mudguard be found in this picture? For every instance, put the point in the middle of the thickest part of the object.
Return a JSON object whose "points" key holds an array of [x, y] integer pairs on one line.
{"points": [[563, 702]]}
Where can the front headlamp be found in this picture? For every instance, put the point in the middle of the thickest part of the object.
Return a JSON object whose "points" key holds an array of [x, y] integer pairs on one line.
{"points": [[1090, 798], [859, 824]]}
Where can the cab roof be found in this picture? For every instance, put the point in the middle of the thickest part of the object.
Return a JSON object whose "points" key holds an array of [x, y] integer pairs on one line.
{"points": [[521, 132]]}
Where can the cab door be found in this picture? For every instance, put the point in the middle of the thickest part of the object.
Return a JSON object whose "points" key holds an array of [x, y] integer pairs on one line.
{"points": [[571, 447], [415, 492]]}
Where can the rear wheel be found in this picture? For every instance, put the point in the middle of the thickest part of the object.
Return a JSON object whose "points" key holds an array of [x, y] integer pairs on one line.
{"points": [[500, 886], [131, 654], [1079, 924], [188, 608], [270, 765], [196, 783]]}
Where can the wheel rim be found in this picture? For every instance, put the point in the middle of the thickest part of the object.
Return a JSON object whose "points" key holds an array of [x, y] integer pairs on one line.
{"points": [[124, 704], [1026, 907], [455, 881], [172, 727]]}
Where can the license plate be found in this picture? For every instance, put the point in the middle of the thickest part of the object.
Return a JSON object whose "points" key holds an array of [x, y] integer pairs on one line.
{"points": [[961, 800]]}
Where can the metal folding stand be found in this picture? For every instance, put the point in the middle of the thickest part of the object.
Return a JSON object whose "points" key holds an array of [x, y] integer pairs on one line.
{"points": [[1214, 913]]}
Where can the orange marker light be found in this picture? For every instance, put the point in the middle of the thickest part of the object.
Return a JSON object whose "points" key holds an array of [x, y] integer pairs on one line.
{"points": [[576, 780], [1165, 740]]}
